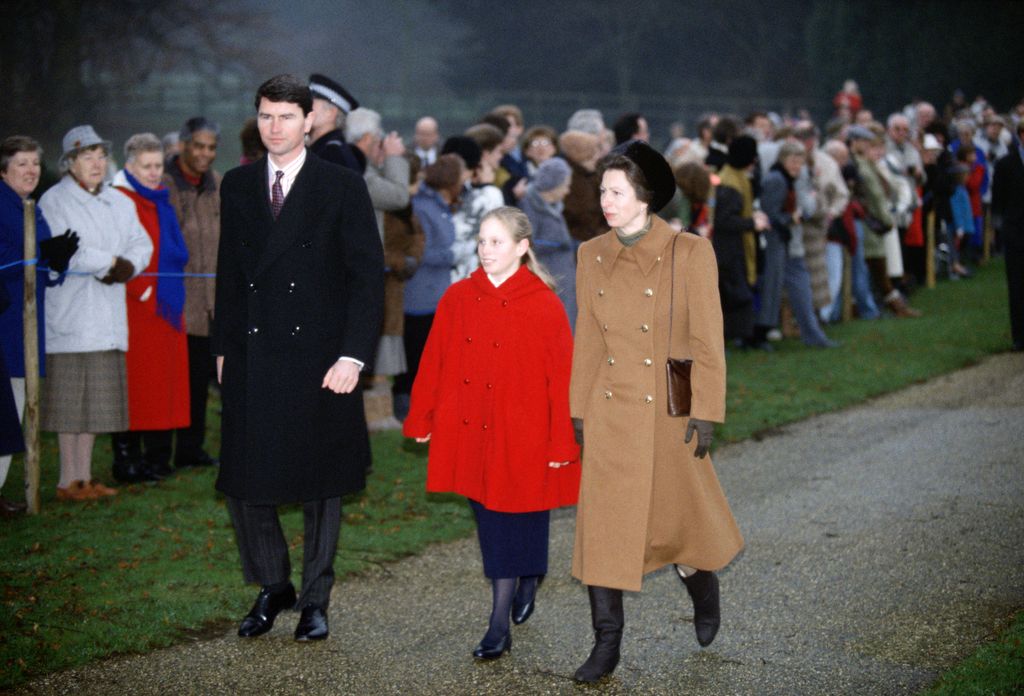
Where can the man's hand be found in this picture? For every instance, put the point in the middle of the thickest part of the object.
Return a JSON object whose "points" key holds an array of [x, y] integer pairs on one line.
{"points": [[342, 378], [704, 429], [392, 145], [761, 222], [220, 367]]}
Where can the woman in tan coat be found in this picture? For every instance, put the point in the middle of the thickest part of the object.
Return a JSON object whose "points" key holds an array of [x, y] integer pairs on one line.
{"points": [[649, 495]]}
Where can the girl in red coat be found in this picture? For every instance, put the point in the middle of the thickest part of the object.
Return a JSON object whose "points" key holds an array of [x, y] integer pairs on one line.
{"points": [[492, 397]]}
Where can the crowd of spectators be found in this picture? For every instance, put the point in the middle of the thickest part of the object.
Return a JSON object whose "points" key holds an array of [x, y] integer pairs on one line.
{"points": [[789, 208]]}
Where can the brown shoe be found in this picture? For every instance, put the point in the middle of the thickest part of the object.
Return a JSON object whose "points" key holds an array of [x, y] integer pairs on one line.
{"points": [[77, 492], [900, 308], [11, 508], [100, 490]]}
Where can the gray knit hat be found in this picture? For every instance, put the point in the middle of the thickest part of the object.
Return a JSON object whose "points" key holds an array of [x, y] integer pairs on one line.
{"points": [[551, 174]]}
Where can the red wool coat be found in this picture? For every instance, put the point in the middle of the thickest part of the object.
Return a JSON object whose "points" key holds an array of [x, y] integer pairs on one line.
{"points": [[493, 392], [157, 358]]}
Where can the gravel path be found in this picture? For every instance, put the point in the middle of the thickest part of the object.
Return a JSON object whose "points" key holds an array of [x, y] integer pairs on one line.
{"points": [[883, 545]]}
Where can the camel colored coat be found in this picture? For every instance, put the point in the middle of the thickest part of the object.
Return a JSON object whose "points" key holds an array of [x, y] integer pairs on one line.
{"points": [[645, 500]]}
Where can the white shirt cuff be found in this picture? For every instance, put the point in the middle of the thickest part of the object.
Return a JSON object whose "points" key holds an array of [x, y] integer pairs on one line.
{"points": [[359, 363]]}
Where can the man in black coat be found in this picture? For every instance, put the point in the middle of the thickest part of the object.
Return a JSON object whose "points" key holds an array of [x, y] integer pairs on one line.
{"points": [[300, 293], [1008, 216]]}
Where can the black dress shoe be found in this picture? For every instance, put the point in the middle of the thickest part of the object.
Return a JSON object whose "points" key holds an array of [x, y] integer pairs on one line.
{"points": [[493, 652], [522, 611], [268, 605], [11, 508], [312, 624]]}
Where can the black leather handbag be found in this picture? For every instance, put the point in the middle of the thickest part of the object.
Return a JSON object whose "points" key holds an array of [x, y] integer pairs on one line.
{"points": [[677, 370]]}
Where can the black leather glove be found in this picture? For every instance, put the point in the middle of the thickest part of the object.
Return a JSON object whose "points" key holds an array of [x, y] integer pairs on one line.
{"points": [[704, 430], [57, 251], [577, 429], [120, 272]]}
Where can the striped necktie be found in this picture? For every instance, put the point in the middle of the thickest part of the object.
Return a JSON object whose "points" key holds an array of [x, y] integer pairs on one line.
{"points": [[277, 195]]}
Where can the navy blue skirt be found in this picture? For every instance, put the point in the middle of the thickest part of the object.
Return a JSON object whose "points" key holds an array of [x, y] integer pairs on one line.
{"points": [[513, 544]]}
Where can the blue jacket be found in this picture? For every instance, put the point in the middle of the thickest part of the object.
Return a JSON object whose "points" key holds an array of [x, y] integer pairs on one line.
{"points": [[12, 245], [433, 276], [553, 247], [960, 201]]}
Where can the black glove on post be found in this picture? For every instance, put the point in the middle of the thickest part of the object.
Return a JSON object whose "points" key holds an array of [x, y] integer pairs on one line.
{"points": [[120, 272], [704, 430], [57, 251]]}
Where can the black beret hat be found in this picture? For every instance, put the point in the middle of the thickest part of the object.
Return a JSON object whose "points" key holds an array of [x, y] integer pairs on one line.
{"points": [[324, 87], [655, 168], [742, 152], [465, 147]]}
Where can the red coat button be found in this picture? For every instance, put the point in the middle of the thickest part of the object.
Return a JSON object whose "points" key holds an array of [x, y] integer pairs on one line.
{"points": [[465, 421]]}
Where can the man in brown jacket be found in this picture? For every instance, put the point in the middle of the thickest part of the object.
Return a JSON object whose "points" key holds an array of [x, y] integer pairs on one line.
{"points": [[195, 194]]}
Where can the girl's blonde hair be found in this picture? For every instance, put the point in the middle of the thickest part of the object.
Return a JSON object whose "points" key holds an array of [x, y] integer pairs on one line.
{"points": [[518, 225]]}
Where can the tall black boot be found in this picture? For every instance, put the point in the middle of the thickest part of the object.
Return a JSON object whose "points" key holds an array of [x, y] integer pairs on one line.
{"points": [[128, 465], [707, 609], [608, 619], [157, 458]]}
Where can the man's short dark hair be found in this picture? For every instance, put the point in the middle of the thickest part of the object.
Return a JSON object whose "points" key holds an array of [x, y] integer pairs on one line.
{"points": [[626, 126], [196, 124], [498, 121], [286, 88]]}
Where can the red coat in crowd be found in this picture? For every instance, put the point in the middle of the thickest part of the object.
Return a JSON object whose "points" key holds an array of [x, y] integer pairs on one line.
{"points": [[157, 358], [493, 392]]}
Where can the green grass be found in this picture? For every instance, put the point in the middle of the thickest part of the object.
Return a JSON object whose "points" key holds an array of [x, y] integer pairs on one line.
{"points": [[996, 669], [158, 564]]}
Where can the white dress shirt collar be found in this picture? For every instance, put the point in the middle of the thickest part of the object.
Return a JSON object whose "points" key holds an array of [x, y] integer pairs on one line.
{"points": [[291, 170]]}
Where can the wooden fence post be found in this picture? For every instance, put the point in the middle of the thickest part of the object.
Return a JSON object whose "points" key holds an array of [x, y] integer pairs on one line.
{"points": [[929, 252], [847, 285], [31, 364]]}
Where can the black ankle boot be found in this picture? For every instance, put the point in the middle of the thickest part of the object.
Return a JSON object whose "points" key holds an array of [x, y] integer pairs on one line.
{"points": [[607, 618], [128, 466], [707, 610]]}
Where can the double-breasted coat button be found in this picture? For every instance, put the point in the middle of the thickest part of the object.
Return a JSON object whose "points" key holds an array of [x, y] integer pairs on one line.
{"points": [[607, 395], [296, 330], [469, 339], [648, 399], [307, 244], [647, 362], [599, 259], [600, 293], [504, 303], [490, 386], [645, 328], [291, 288], [483, 427], [252, 286], [649, 292], [605, 327], [497, 345], [465, 421], [466, 380], [611, 361]]}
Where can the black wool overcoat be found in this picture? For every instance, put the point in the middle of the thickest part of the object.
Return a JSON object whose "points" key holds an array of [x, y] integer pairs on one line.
{"points": [[293, 295]]}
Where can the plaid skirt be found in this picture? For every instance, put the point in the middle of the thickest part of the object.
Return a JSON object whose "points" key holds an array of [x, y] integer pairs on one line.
{"points": [[85, 393]]}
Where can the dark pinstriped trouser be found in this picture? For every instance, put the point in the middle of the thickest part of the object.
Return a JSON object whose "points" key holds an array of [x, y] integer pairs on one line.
{"points": [[264, 551]]}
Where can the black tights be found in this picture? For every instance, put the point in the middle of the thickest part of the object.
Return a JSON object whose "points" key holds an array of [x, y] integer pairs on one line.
{"points": [[504, 590]]}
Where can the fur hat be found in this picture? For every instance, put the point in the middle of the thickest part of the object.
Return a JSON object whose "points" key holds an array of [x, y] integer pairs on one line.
{"points": [[551, 174], [578, 146], [465, 147], [656, 170], [742, 152]]}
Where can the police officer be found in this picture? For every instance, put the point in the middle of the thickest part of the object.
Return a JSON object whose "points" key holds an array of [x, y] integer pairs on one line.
{"points": [[331, 103]]}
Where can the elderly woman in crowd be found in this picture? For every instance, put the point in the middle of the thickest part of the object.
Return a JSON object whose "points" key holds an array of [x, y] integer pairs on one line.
{"points": [[86, 389], [19, 172], [552, 243], [648, 497], [157, 358], [539, 145]]}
